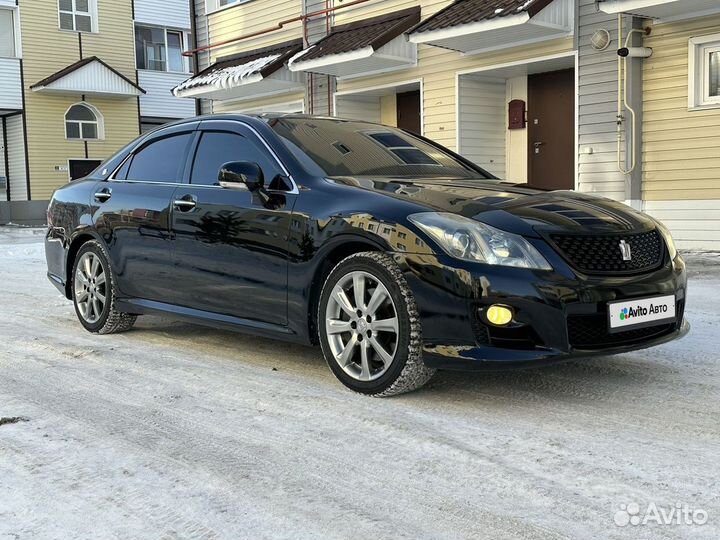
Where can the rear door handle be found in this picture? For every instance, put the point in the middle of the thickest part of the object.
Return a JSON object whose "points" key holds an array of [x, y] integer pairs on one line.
{"points": [[184, 204], [103, 195]]}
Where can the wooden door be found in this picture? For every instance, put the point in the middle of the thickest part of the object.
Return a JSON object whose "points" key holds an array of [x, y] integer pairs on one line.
{"points": [[408, 111], [551, 130]]}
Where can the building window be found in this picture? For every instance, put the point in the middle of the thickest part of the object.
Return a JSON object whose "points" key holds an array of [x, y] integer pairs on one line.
{"points": [[77, 15], [159, 49], [83, 122], [7, 34], [704, 72], [214, 5]]}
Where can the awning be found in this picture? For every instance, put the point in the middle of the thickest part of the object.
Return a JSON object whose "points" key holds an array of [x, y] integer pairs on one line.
{"points": [[246, 75], [90, 76], [661, 9], [362, 47], [471, 26]]}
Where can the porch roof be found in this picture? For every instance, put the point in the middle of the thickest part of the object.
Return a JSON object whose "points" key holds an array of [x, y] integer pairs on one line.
{"points": [[245, 75], [90, 76], [470, 26], [361, 47], [661, 9]]}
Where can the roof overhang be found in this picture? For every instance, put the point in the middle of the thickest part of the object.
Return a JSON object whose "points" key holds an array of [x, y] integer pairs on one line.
{"points": [[522, 28], [90, 76], [661, 9], [363, 47], [248, 75]]}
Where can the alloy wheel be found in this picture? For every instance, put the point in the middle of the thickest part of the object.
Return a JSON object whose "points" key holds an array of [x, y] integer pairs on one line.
{"points": [[90, 287], [361, 323]]}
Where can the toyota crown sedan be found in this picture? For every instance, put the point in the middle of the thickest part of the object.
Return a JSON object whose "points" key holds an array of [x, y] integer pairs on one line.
{"points": [[397, 256]]}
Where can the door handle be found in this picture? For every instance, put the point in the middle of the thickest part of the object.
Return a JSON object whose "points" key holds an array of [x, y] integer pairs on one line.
{"points": [[103, 195], [184, 205], [538, 144]]}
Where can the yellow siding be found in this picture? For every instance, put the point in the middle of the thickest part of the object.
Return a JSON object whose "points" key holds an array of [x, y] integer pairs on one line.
{"points": [[46, 50], [388, 110], [256, 104], [681, 158], [438, 70], [251, 17]]}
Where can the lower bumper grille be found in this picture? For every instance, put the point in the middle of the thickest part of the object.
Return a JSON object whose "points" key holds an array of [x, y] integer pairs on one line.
{"points": [[592, 332]]}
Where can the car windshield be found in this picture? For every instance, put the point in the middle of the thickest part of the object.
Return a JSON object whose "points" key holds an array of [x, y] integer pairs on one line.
{"points": [[333, 148]]}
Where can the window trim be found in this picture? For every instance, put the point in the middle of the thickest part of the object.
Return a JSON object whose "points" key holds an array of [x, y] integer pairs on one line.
{"points": [[92, 12], [213, 6], [699, 49], [184, 39], [99, 123], [17, 42]]}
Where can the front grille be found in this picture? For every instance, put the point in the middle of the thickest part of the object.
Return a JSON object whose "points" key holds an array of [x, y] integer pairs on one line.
{"points": [[601, 254], [591, 332]]}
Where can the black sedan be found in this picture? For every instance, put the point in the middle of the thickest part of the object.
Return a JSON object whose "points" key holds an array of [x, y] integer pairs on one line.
{"points": [[396, 255]]}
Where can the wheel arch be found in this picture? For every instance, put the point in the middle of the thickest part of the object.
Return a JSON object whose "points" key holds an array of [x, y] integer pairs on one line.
{"points": [[329, 257], [78, 240]]}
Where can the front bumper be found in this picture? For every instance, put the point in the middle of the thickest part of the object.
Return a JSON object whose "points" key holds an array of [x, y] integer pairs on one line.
{"points": [[559, 315]]}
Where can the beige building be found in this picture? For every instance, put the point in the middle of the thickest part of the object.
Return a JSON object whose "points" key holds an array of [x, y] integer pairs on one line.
{"points": [[532, 90], [79, 79]]}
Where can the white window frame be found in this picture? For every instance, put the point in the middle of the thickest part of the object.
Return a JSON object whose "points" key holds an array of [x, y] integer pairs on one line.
{"points": [[99, 122], [184, 39], [699, 70], [213, 6], [15, 14], [93, 13]]}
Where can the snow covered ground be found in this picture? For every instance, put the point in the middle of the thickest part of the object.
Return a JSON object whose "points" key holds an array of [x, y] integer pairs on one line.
{"points": [[177, 431]]}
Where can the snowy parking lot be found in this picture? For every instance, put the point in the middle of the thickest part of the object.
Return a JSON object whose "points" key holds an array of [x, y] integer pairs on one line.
{"points": [[178, 431]]}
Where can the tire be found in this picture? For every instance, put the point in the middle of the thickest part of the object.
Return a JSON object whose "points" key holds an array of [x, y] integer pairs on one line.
{"points": [[371, 334], [94, 292]]}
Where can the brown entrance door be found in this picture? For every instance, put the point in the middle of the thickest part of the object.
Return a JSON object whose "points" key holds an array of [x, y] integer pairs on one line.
{"points": [[408, 111], [551, 130]]}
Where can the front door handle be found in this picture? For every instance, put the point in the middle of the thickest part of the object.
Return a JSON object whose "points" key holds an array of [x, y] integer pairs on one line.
{"points": [[103, 195], [184, 204]]}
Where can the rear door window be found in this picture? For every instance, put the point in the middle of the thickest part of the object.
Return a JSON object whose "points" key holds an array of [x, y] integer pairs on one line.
{"points": [[162, 160]]}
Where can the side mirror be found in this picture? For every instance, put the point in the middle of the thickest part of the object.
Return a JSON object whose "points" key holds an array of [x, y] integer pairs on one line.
{"points": [[238, 173]]}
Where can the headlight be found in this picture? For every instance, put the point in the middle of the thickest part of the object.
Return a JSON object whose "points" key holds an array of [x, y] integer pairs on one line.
{"points": [[471, 240], [669, 242]]}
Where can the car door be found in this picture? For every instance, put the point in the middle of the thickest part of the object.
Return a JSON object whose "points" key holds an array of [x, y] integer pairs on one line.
{"points": [[230, 246], [134, 210]]}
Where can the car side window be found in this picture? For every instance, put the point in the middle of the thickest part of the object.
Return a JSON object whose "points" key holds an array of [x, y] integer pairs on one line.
{"points": [[219, 147], [160, 161]]}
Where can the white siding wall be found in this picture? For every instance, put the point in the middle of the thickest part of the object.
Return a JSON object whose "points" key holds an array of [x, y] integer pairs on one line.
{"points": [[481, 118], [159, 101], [167, 13], [16, 158], [597, 102], [10, 87]]}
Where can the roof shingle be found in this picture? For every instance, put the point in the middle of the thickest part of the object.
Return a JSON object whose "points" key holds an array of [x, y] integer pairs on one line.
{"points": [[470, 11], [374, 32]]}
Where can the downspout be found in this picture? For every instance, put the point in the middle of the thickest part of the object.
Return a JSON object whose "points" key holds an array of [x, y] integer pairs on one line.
{"points": [[629, 75]]}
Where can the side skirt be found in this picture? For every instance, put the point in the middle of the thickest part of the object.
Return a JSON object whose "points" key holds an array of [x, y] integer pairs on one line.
{"points": [[138, 306]]}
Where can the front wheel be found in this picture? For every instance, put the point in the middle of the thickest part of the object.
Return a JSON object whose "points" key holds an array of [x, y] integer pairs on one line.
{"points": [[94, 292], [369, 327]]}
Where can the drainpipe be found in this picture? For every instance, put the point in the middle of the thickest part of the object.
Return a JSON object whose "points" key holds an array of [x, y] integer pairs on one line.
{"points": [[630, 101]]}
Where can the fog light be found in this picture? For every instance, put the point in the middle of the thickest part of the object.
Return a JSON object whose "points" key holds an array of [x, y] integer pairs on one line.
{"points": [[499, 315]]}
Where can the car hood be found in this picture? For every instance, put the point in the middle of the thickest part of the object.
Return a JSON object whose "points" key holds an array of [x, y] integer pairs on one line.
{"points": [[511, 207]]}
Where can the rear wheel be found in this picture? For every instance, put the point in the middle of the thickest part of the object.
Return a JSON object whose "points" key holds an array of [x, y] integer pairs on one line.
{"points": [[94, 292], [369, 327]]}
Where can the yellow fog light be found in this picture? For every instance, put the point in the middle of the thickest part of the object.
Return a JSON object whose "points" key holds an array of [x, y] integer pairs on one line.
{"points": [[499, 315]]}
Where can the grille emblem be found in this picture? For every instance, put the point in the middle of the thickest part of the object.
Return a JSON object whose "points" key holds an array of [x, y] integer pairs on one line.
{"points": [[625, 250]]}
